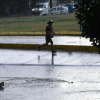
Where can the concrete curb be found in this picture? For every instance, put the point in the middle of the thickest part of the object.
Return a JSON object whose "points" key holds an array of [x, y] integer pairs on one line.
{"points": [[57, 47], [37, 33]]}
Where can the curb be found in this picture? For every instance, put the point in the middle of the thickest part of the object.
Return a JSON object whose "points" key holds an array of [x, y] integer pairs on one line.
{"points": [[38, 33], [57, 47]]}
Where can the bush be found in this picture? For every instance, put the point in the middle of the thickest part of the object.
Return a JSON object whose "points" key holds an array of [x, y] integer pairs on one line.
{"points": [[88, 15]]}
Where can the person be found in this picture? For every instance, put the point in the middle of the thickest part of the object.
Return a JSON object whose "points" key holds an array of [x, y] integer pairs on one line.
{"points": [[49, 33]]}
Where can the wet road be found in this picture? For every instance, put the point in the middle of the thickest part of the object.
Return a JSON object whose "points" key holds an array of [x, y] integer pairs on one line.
{"points": [[58, 40], [37, 75], [45, 57]]}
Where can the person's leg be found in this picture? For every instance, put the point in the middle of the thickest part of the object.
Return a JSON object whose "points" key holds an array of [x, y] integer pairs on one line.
{"points": [[51, 44], [47, 41], [52, 49], [38, 47], [43, 44]]}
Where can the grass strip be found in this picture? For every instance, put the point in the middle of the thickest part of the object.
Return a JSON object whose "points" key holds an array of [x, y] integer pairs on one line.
{"points": [[31, 24]]}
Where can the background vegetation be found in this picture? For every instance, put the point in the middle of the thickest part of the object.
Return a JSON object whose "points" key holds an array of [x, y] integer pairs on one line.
{"points": [[66, 22], [88, 15]]}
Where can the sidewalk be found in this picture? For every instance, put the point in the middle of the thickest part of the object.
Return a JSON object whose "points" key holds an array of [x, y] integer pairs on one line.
{"points": [[60, 42]]}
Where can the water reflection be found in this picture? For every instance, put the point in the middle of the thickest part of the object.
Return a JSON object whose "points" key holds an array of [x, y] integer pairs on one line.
{"points": [[50, 62], [52, 59]]}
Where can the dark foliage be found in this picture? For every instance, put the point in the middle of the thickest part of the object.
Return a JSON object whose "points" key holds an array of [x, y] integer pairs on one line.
{"points": [[88, 15], [8, 7]]}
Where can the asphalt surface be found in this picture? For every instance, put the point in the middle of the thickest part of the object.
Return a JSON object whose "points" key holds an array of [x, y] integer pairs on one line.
{"points": [[40, 75], [46, 57]]}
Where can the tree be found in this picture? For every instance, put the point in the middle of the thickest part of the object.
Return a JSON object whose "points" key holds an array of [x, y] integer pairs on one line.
{"points": [[88, 15]]}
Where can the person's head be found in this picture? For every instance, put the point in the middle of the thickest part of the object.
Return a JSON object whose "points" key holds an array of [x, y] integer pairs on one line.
{"points": [[50, 22]]}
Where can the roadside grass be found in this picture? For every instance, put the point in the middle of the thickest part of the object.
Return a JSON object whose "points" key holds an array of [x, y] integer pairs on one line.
{"points": [[66, 22]]}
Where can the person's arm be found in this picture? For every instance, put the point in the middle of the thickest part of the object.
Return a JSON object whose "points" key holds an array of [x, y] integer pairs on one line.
{"points": [[53, 32]]}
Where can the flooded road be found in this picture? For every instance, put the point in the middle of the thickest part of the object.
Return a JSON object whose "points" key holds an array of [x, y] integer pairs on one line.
{"points": [[38, 75]]}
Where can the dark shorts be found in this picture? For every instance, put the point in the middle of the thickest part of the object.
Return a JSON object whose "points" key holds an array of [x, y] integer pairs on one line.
{"points": [[48, 39]]}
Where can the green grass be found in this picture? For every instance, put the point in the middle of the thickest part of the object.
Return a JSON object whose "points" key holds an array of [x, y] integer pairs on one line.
{"points": [[66, 22]]}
